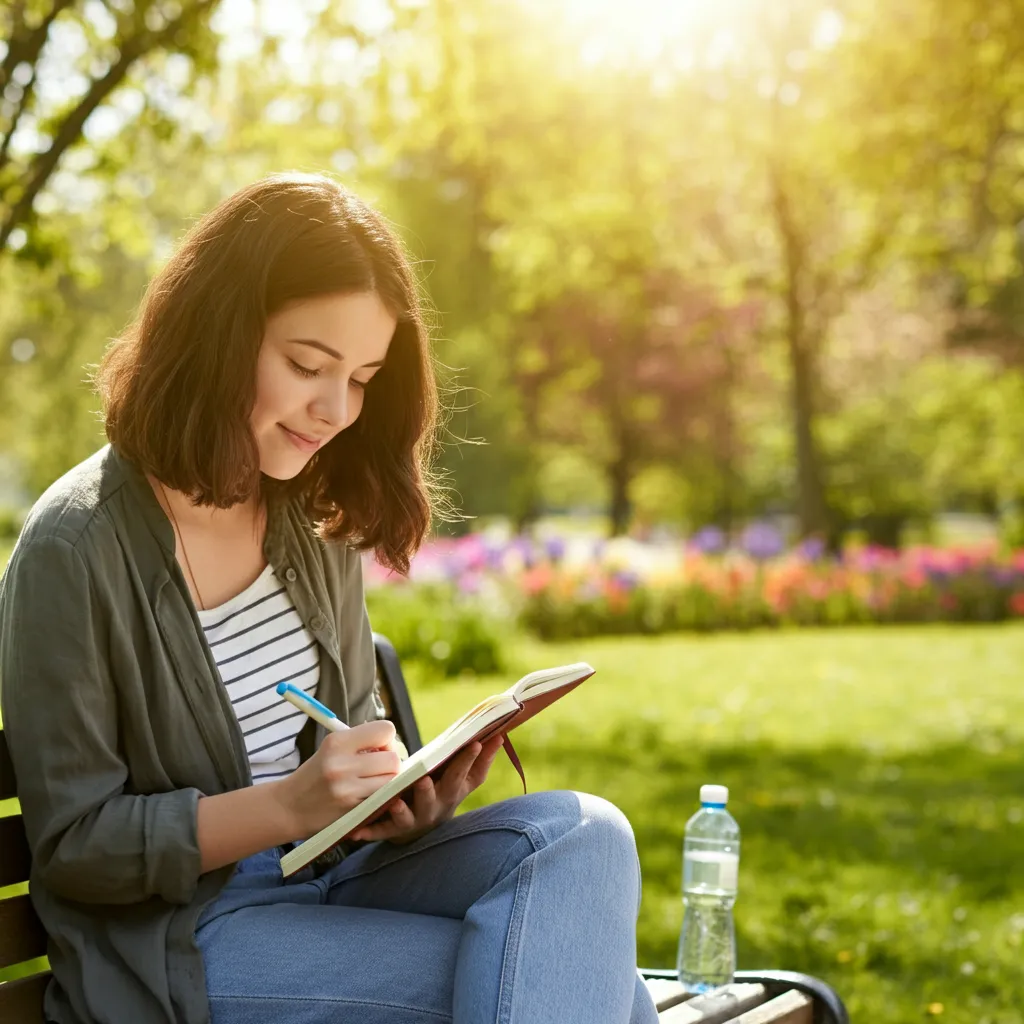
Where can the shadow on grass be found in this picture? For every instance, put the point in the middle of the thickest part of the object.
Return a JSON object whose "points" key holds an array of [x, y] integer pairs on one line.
{"points": [[827, 832], [954, 809]]}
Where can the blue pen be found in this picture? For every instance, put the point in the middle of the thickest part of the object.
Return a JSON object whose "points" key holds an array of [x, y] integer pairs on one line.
{"points": [[311, 706]]}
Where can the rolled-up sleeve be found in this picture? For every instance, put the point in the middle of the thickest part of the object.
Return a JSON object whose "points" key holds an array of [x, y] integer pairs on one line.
{"points": [[91, 841]]}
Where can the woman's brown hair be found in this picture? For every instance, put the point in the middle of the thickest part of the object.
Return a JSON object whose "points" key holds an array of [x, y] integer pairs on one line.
{"points": [[179, 386]]}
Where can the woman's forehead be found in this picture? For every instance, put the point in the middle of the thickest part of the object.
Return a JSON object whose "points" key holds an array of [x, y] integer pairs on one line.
{"points": [[355, 329]]}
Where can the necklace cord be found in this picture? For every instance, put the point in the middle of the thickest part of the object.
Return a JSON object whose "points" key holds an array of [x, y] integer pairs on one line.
{"points": [[184, 550]]}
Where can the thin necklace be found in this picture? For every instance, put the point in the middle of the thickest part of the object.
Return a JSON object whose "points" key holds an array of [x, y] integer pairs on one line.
{"points": [[184, 550]]}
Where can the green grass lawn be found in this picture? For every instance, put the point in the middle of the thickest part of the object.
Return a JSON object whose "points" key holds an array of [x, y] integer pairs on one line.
{"points": [[877, 774], [878, 777]]}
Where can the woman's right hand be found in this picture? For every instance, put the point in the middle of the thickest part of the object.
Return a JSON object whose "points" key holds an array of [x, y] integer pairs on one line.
{"points": [[347, 767]]}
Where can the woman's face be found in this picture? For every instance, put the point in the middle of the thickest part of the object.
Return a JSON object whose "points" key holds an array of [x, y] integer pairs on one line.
{"points": [[317, 356]]}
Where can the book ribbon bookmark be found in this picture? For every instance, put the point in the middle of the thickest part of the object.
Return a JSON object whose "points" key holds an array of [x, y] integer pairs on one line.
{"points": [[514, 758]]}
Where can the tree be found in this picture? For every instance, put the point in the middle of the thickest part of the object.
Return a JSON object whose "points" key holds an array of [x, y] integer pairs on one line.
{"points": [[117, 38]]}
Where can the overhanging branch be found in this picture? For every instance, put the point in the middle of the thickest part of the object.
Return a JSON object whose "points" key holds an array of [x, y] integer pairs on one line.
{"points": [[25, 43], [44, 164]]}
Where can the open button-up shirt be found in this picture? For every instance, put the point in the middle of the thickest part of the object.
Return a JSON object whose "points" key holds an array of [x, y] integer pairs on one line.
{"points": [[117, 722]]}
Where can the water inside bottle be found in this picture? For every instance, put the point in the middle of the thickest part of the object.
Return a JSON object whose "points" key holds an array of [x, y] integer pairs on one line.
{"points": [[711, 871]]}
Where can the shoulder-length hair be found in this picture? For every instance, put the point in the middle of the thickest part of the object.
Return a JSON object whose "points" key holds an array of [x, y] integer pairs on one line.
{"points": [[179, 386]]}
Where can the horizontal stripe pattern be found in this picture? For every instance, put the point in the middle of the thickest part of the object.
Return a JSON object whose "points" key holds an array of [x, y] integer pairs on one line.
{"points": [[258, 641]]}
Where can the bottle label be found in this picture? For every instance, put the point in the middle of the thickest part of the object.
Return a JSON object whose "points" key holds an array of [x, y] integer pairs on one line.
{"points": [[710, 871]]}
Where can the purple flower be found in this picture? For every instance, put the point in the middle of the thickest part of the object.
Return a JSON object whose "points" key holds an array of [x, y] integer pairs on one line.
{"points": [[812, 548], [762, 541], [523, 546], [1003, 575], [709, 539], [451, 567], [626, 578], [555, 548]]}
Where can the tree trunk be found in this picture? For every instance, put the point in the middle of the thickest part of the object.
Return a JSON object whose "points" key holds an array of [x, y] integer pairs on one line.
{"points": [[620, 475], [811, 509], [524, 496], [728, 444], [524, 489], [801, 344]]}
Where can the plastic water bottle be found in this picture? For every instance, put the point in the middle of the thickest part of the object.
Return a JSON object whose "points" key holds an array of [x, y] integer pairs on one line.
{"points": [[711, 859]]}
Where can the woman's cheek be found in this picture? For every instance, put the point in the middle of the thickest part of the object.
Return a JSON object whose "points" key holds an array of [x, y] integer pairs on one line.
{"points": [[355, 405], [268, 383]]}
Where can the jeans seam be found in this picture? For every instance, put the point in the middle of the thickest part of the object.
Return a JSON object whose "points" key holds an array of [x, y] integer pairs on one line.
{"points": [[504, 869], [510, 957]]}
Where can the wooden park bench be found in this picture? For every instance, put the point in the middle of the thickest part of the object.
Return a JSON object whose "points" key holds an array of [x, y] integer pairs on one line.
{"points": [[756, 997]]}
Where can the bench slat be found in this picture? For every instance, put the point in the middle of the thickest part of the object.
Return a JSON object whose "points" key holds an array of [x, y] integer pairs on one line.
{"points": [[7, 788], [791, 1007], [724, 1004], [21, 934], [21, 1001], [665, 993], [15, 858]]}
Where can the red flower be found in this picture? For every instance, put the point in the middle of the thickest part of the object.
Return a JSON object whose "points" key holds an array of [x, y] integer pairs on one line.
{"points": [[537, 579]]}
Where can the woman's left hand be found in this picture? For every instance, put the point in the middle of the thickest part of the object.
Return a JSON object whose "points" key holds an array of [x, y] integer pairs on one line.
{"points": [[433, 802]]}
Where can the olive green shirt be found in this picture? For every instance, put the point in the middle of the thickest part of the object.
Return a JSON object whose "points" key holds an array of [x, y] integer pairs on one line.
{"points": [[118, 721]]}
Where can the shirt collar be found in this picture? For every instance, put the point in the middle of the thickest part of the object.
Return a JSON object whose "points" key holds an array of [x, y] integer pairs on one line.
{"points": [[152, 512]]}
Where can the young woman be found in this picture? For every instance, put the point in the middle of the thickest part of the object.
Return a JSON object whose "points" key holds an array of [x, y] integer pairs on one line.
{"points": [[269, 414]]}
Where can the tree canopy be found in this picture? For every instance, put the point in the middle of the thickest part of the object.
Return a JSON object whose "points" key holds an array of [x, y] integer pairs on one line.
{"points": [[691, 263]]}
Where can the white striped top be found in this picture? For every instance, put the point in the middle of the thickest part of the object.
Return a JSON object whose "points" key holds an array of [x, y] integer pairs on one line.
{"points": [[258, 641]]}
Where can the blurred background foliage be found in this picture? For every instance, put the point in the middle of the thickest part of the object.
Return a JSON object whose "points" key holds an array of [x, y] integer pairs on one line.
{"points": [[693, 263], [747, 272]]}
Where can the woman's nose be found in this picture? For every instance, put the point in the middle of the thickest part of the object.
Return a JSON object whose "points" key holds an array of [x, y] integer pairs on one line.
{"points": [[332, 405]]}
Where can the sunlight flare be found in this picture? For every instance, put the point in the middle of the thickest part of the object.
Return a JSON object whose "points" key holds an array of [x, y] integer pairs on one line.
{"points": [[645, 31]]}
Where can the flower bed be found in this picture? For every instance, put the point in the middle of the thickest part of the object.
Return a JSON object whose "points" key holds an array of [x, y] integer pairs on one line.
{"points": [[571, 588]]}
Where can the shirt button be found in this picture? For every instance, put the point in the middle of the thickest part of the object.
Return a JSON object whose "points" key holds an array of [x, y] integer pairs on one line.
{"points": [[316, 622], [290, 575]]}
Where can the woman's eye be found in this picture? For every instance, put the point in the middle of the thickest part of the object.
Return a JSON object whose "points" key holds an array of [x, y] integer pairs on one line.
{"points": [[303, 371], [361, 384]]}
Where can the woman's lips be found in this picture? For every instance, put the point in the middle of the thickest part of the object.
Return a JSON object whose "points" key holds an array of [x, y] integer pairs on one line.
{"points": [[303, 443]]}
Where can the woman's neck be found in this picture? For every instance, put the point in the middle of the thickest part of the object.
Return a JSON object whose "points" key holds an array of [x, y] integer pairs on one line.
{"points": [[178, 507], [220, 550]]}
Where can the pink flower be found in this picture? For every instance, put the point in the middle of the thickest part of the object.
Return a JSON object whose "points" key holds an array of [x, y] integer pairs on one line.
{"points": [[915, 579]]}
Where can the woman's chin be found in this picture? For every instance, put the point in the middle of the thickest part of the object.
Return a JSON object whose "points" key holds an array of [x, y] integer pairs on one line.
{"points": [[278, 468]]}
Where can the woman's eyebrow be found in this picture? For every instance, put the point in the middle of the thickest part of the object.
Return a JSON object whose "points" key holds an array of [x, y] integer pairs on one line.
{"points": [[330, 351], [316, 344]]}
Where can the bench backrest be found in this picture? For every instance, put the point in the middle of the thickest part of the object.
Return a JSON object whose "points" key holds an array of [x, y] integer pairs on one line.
{"points": [[22, 937]]}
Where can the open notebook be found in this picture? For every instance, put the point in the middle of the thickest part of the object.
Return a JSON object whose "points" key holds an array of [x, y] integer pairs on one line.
{"points": [[501, 712]]}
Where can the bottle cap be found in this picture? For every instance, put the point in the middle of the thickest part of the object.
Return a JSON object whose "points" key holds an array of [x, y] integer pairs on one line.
{"points": [[714, 795]]}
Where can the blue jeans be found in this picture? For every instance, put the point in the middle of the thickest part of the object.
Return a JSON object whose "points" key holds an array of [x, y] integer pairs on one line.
{"points": [[520, 912]]}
